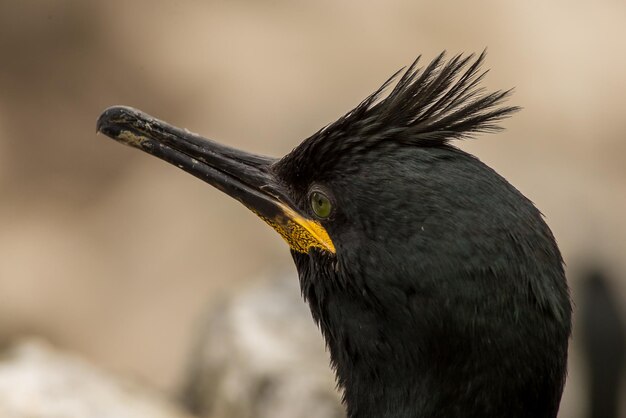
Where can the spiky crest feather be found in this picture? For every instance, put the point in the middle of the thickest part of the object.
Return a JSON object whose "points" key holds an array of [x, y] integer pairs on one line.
{"points": [[427, 107], [431, 104]]}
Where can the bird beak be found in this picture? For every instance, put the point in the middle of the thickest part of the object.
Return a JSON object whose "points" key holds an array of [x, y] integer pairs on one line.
{"points": [[247, 177]]}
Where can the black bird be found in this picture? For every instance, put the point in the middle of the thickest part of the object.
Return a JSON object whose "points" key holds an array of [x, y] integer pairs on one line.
{"points": [[437, 285]]}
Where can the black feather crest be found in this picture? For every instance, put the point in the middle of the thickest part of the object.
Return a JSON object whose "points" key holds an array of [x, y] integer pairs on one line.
{"points": [[429, 106]]}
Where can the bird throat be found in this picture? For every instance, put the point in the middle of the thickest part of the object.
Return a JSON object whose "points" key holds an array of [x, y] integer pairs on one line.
{"points": [[301, 234]]}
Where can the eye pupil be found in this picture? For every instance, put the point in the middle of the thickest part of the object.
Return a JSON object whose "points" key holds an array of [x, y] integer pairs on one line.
{"points": [[320, 204]]}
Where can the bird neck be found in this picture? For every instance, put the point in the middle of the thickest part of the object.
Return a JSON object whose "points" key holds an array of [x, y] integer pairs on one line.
{"points": [[382, 378], [432, 360]]}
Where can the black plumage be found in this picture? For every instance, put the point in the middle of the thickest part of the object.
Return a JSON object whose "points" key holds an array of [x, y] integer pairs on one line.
{"points": [[437, 285]]}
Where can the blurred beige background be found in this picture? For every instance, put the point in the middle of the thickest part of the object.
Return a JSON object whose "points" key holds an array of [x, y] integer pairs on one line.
{"points": [[114, 254]]}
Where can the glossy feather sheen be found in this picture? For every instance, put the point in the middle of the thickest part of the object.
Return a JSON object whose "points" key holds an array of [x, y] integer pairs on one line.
{"points": [[446, 296]]}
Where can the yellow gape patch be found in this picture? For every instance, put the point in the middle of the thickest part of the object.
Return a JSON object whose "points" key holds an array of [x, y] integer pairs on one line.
{"points": [[300, 233]]}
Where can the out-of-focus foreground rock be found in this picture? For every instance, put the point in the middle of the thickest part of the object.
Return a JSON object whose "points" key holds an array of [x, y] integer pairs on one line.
{"points": [[37, 381], [259, 355], [256, 355]]}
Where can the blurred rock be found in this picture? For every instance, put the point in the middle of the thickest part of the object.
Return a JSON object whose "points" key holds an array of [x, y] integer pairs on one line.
{"points": [[260, 355], [38, 381]]}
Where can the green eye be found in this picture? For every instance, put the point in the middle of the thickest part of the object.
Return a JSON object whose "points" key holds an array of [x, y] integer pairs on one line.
{"points": [[321, 205]]}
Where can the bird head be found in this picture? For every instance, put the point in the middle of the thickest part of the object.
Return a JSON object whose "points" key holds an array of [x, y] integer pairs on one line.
{"points": [[437, 285]]}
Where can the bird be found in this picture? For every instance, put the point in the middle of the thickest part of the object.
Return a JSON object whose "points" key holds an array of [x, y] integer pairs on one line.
{"points": [[438, 287]]}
